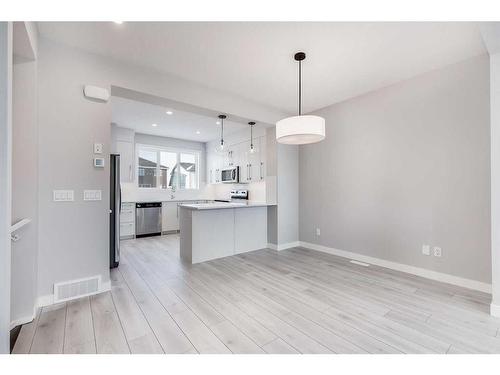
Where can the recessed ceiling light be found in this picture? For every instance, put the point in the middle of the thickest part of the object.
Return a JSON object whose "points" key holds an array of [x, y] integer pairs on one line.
{"points": [[197, 132], [169, 112], [217, 122], [155, 125], [118, 22]]}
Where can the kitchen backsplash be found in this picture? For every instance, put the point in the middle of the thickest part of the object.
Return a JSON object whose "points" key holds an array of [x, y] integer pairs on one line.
{"points": [[256, 190], [131, 193]]}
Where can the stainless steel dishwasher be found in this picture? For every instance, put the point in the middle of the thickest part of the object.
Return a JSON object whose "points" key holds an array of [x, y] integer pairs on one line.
{"points": [[147, 219]]}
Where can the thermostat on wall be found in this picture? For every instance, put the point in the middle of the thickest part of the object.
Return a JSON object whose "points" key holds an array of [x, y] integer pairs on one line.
{"points": [[99, 162]]}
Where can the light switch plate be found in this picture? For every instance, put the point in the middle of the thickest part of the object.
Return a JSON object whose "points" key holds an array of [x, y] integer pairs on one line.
{"points": [[92, 195], [98, 148], [64, 195]]}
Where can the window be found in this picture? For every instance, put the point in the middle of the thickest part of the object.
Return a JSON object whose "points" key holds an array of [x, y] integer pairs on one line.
{"points": [[147, 168], [188, 173], [167, 168]]}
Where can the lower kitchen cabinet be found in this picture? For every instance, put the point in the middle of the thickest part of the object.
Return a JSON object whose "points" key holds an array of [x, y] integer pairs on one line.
{"points": [[127, 220], [170, 216]]}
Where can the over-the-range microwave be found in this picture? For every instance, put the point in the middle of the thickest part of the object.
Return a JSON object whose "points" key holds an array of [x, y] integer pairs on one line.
{"points": [[230, 175]]}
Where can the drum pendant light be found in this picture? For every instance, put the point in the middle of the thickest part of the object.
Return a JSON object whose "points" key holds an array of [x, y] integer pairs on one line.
{"points": [[301, 129]]}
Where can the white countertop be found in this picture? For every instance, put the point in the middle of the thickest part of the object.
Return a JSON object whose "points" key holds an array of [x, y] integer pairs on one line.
{"points": [[165, 200], [223, 205]]}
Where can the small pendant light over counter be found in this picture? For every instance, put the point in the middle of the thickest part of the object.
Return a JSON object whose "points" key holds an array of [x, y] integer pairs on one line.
{"points": [[252, 149], [222, 118], [301, 129]]}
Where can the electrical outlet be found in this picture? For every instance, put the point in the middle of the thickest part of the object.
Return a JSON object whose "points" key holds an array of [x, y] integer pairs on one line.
{"points": [[426, 250], [437, 251], [318, 232]]}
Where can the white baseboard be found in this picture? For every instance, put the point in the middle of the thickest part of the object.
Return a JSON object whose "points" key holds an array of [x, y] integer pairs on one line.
{"points": [[23, 320], [284, 246], [422, 272], [495, 310]]}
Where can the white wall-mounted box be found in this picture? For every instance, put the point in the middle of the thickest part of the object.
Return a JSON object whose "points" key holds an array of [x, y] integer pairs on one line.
{"points": [[96, 93]]}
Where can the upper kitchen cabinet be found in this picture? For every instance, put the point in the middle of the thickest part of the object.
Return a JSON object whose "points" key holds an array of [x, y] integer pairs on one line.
{"points": [[123, 143], [127, 152], [252, 164], [262, 163], [236, 153], [231, 157], [215, 163]]}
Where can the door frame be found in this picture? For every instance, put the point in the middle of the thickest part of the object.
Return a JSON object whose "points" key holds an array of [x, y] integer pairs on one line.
{"points": [[6, 56]]}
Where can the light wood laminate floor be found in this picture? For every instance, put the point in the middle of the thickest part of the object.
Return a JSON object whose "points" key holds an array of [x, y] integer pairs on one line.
{"points": [[294, 301]]}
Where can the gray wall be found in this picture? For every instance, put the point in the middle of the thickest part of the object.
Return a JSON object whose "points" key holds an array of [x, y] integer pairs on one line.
{"points": [[5, 179], [73, 236], [405, 166], [271, 170], [287, 193], [24, 190], [283, 168]]}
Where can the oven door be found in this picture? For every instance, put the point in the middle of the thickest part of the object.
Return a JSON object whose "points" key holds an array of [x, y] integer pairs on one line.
{"points": [[229, 175]]}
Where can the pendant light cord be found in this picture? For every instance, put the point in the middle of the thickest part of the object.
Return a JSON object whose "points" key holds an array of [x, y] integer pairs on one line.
{"points": [[300, 88], [251, 136], [222, 131]]}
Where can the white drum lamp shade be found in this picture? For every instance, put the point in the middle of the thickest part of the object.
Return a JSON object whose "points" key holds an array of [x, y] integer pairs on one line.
{"points": [[300, 130]]}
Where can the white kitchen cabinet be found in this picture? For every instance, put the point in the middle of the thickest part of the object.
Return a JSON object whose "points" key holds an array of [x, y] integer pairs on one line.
{"points": [[210, 170], [252, 164], [170, 216], [262, 159], [244, 162], [127, 220], [214, 167], [127, 230], [254, 161], [230, 157], [127, 158]]}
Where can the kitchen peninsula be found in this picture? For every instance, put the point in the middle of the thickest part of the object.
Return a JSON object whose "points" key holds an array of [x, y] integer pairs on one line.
{"points": [[216, 230]]}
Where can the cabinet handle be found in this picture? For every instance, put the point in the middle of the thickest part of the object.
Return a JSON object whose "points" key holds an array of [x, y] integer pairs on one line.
{"points": [[261, 165], [130, 172]]}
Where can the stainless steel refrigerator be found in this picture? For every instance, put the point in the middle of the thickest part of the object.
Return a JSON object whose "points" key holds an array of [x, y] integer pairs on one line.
{"points": [[114, 212]]}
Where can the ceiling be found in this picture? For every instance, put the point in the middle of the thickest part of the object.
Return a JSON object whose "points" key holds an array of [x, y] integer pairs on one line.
{"points": [[140, 116], [254, 60]]}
